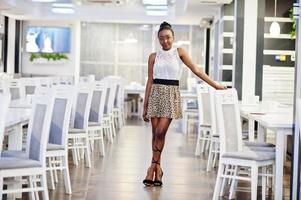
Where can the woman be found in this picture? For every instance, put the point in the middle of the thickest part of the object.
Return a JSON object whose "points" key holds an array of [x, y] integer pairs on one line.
{"points": [[162, 101]]}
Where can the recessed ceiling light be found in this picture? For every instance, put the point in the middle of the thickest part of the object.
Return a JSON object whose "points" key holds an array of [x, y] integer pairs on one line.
{"points": [[63, 5], [44, 1], [156, 7], [156, 12], [62, 10], [155, 2]]}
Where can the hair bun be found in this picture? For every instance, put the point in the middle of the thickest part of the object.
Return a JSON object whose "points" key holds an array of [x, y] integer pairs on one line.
{"points": [[164, 25]]}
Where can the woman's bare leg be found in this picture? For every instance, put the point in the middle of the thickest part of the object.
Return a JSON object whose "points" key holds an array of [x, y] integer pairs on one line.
{"points": [[160, 133], [152, 167]]}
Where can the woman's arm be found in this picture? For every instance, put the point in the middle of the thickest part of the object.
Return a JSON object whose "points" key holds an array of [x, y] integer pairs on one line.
{"points": [[151, 61], [196, 70]]}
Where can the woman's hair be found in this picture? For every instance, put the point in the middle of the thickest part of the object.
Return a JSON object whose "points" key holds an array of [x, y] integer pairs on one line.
{"points": [[165, 26]]}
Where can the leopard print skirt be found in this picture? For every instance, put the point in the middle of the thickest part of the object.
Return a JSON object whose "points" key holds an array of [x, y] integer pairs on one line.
{"points": [[164, 101]]}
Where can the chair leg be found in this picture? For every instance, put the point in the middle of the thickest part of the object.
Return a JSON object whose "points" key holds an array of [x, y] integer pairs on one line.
{"points": [[31, 185], [74, 153], [110, 134], [34, 178], [1, 187], [101, 144], [218, 182], [87, 153], [227, 167], [197, 148], [254, 181], [44, 185], [264, 183], [233, 184], [204, 140], [216, 153], [66, 174], [210, 158], [51, 186], [56, 180]]}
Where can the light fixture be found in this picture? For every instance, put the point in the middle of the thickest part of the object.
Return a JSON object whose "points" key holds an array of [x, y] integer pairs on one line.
{"points": [[156, 7], [156, 12], [275, 27], [62, 10], [63, 5], [155, 2], [44, 1]]}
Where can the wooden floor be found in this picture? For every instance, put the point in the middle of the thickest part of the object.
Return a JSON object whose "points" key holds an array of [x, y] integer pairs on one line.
{"points": [[119, 174]]}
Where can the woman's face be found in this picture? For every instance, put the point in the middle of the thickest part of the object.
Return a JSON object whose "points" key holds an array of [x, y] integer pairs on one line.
{"points": [[165, 39]]}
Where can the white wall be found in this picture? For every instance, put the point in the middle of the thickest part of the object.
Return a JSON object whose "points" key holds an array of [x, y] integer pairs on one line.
{"points": [[57, 68], [1, 42], [11, 46]]}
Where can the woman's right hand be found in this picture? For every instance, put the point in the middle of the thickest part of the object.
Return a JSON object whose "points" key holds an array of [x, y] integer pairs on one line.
{"points": [[144, 115]]}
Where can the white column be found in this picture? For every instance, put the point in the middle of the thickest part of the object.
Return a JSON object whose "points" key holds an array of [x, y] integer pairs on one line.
{"points": [[11, 46], [77, 43], [249, 48]]}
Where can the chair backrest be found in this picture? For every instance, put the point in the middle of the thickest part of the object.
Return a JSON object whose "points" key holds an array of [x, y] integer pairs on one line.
{"points": [[61, 115], [4, 104], [4, 86], [30, 85], [228, 120], [110, 94], [98, 102], [191, 84], [119, 100], [81, 106], [213, 115], [17, 89], [203, 104], [39, 126]]}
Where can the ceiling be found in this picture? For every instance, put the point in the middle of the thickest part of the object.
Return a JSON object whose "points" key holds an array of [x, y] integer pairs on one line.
{"points": [[127, 11]]}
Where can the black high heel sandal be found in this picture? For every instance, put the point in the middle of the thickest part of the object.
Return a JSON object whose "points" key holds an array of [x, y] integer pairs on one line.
{"points": [[148, 182], [158, 182]]}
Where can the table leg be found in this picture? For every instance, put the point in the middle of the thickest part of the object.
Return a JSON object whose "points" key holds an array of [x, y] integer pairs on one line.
{"points": [[15, 138], [15, 143], [261, 134], [251, 129], [280, 135]]}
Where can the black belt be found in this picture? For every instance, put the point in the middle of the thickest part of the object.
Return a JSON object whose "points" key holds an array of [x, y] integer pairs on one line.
{"points": [[166, 82]]}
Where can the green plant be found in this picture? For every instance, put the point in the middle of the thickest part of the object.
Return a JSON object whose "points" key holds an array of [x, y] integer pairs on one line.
{"points": [[294, 25], [48, 56]]}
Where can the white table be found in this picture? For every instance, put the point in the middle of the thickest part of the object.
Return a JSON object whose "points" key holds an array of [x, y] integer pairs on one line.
{"points": [[139, 93], [187, 96], [282, 125], [249, 110], [20, 103], [15, 118]]}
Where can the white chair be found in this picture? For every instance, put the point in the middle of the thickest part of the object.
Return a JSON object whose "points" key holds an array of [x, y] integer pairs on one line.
{"points": [[204, 122], [108, 121], [17, 89], [232, 155], [57, 148], [4, 104], [118, 110], [191, 84], [3, 86], [95, 126], [78, 131], [33, 164], [30, 85]]}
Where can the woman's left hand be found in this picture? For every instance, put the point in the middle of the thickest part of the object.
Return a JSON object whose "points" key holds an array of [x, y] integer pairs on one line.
{"points": [[221, 87]]}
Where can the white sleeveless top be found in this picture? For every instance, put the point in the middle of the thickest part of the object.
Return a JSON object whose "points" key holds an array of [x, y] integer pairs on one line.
{"points": [[168, 65]]}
